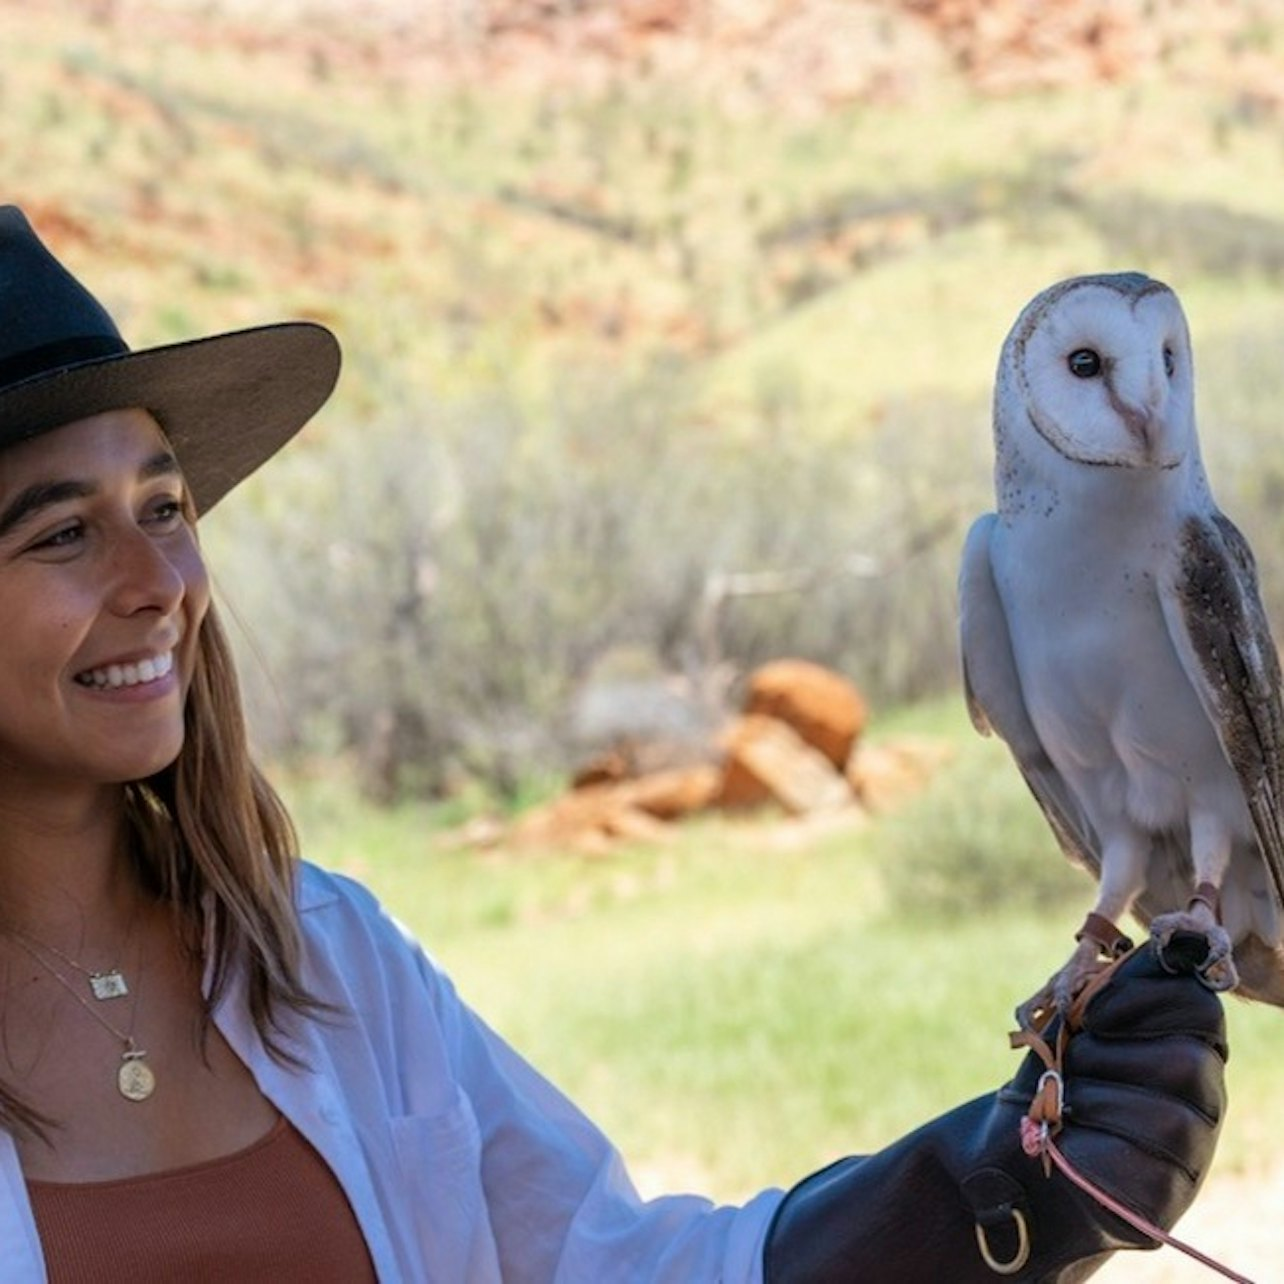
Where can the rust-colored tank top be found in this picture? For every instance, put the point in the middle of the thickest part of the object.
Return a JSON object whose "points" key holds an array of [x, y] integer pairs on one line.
{"points": [[272, 1212]]}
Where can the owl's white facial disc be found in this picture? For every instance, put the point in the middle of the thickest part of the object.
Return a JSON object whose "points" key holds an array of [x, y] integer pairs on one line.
{"points": [[1103, 367]]}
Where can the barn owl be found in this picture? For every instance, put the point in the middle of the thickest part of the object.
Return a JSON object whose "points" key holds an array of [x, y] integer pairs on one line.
{"points": [[1114, 638]]}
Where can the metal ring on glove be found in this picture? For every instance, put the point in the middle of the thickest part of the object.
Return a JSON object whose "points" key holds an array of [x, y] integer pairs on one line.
{"points": [[1022, 1254]]}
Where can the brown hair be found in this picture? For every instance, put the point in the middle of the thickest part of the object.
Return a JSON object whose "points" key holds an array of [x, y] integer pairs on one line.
{"points": [[214, 841], [226, 855]]}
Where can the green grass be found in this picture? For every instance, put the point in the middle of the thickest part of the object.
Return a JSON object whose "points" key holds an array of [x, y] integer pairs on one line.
{"points": [[743, 1003]]}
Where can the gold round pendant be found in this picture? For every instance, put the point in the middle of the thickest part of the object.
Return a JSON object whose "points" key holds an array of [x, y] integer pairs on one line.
{"points": [[135, 1079]]}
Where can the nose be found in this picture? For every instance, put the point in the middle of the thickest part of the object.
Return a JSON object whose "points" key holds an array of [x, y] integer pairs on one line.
{"points": [[145, 577]]}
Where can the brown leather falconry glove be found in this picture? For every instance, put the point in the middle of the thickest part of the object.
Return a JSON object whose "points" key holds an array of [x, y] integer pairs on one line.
{"points": [[1143, 1102]]}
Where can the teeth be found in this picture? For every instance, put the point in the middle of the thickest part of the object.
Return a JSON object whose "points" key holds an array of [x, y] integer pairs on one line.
{"points": [[128, 675]]}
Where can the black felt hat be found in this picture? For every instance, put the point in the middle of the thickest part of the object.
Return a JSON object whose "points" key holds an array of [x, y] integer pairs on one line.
{"points": [[227, 402]]}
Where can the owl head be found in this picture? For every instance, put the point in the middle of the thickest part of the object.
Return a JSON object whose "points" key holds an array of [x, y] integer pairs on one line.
{"points": [[1099, 367]]}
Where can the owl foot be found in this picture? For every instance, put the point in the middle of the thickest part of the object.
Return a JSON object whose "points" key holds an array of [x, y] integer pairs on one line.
{"points": [[1057, 997], [1038, 1009], [1179, 934]]}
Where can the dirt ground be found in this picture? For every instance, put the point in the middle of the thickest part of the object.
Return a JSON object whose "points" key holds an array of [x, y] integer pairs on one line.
{"points": [[1237, 1220]]}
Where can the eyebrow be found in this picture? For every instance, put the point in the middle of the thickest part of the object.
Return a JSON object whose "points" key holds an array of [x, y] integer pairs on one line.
{"points": [[41, 495]]}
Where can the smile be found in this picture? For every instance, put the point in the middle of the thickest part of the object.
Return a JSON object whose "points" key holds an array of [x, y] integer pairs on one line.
{"points": [[128, 675]]}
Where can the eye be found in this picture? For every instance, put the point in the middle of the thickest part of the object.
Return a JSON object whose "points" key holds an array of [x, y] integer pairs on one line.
{"points": [[166, 510], [1084, 363], [64, 537], [1170, 362]]}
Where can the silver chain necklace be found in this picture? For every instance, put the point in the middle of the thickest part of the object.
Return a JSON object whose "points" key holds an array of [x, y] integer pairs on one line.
{"points": [[105, 983], [134, 1077]]}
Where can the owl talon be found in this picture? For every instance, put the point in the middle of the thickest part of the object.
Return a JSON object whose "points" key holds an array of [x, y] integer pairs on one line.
{"points": [[1219, 975], [1193, 941], [1066, 987], [1057, 997], [1037, 1010]]}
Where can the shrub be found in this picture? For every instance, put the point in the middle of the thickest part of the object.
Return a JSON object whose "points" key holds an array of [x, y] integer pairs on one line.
{"points": [[975, 843], [441, 584]]}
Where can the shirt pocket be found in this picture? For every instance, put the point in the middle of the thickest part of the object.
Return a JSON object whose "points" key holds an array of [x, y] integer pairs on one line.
{"points": [[439, 1157]]}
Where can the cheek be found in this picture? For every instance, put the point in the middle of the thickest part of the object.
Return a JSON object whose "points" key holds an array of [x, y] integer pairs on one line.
{"points": [[196, 602], [45, 626], [189, 563], [198, 593]]}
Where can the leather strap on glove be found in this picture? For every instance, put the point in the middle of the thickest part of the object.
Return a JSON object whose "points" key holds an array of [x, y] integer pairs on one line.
{"points": [[1143, 1101]]}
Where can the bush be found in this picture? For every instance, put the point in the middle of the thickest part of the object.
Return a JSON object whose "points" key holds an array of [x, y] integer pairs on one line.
{"points": [[442, 584], [975, 843]]}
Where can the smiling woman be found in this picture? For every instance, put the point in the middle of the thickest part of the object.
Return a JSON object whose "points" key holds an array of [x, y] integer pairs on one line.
{"points": [[218, 1062], [102, 579]]}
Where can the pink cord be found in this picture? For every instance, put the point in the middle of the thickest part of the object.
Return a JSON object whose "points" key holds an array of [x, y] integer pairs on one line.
{"points": [[1036, 1140]]}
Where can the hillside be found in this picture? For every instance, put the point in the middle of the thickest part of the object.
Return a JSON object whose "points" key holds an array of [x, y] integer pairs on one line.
{"points": [[470, 188], [636, 295]]}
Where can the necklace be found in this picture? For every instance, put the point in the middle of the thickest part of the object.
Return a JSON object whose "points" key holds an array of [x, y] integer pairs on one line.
{"points": [[107, 983], [134, 1077]]}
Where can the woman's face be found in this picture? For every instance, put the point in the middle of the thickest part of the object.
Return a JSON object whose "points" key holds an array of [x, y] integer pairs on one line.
{"points": [[102, 593]]}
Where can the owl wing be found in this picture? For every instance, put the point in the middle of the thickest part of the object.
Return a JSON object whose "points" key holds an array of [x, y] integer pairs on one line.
{"points": [[995, 701], [1217, 623]]}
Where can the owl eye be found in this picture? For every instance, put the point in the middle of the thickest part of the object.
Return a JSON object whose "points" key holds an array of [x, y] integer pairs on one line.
{"points": [[1084, 363], [1170, 362]]}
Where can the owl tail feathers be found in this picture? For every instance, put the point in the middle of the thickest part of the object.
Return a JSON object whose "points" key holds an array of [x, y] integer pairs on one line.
{"points": [[1261, 971]]}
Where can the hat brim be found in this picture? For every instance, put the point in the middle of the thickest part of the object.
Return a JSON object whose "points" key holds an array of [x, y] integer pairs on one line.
{"points": [[227, 402]]}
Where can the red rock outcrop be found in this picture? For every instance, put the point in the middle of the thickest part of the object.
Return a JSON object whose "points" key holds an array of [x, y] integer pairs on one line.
{"points": [[823, 707]]}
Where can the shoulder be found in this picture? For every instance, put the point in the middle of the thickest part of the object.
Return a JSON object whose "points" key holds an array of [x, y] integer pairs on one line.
{"points": [[348, 933], [332, 904], [318, 890], [397, 1020]]}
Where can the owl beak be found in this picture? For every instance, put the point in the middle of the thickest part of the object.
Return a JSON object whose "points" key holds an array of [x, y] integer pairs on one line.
{"points": [[1145, 424]]}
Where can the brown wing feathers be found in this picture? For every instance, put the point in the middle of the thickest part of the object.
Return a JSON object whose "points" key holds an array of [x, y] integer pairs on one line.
{"points": [[1232, 643]]}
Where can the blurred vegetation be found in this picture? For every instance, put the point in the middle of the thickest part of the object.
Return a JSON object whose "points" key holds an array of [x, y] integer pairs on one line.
{"points": [[750, 1000], [614, 341]]}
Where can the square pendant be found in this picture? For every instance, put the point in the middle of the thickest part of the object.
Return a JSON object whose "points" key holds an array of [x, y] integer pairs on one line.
{"points": [[108, 985]]}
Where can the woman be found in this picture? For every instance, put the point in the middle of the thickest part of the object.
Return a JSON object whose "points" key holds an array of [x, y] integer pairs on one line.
{"points": [[220, 1063]]}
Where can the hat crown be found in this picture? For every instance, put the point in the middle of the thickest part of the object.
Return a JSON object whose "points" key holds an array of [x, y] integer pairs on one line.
{"points": [[48, 320], [225, 402]]}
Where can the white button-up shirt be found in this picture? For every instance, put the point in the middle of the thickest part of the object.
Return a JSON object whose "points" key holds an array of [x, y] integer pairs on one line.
{"points": [[462, 1164]]}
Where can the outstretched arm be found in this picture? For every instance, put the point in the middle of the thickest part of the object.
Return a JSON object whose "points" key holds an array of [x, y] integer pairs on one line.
{"points": [[1144, 1098]]}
